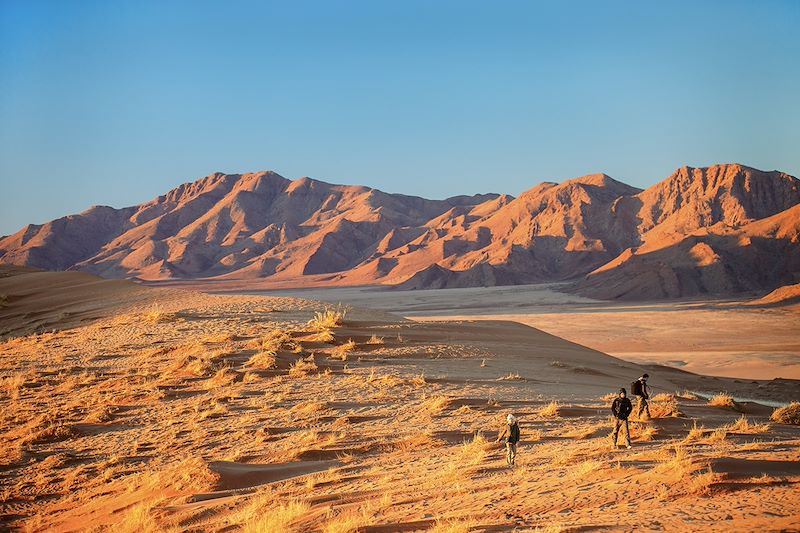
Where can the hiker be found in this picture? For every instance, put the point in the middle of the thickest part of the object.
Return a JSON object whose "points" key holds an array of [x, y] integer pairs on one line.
{"points": [[621, 407], [639, 389], [510, 434]]}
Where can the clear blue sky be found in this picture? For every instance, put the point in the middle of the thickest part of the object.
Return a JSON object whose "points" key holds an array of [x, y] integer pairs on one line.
{"points": [[115, 102]]}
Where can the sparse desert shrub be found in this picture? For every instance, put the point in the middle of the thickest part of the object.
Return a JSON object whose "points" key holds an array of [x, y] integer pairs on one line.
{"points": [[511, 376], [789, 414], [327, 319], [266, 360], [551, 410], [101, 414], [3, 300], [722, 400], [375, 340], [302, 367], [701, 483], [687, 395], [558, 364], [419, 380], [743, 426]]}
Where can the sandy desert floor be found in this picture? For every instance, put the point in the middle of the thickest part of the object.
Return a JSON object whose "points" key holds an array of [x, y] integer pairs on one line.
{"points": [[171, 410], [718, 337]]}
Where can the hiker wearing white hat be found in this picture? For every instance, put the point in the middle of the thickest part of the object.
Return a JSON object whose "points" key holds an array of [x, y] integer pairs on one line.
{"points": [[510, 434]]}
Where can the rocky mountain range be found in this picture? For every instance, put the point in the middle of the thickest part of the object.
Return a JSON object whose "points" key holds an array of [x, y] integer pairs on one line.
{"points": [[717, 230]]}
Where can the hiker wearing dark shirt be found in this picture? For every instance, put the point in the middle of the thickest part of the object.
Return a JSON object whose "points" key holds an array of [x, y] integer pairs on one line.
{"points": [[621, 407], [510, 434], [640, 390]]}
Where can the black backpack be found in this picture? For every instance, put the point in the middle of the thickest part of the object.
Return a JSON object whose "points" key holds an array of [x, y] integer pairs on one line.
{"points": [[514, 433], [636, 388]]}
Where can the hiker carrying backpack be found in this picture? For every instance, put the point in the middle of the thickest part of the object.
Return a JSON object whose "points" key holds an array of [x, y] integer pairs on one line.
{"points": [[639, 389]]}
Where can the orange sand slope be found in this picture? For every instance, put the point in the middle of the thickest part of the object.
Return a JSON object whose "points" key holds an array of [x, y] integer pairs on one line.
{"points": [[185, 411]]}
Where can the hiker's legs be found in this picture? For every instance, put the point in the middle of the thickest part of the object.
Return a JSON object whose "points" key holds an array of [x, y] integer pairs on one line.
{"points": [[617, 423], [627, 433], [511, 452], [646, 407], [639, 406]]}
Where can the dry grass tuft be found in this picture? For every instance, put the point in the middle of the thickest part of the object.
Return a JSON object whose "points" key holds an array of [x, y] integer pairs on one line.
{"points": [[551, 410], [743, 426], [474, 452], [787, 415], [665, 408], [327, 319], [375, 340], [663, 397], [324, 336], [647, 433], [687, 395], [265, 515], [302, 367], [341, 351], [266, 360], [436, 405], [722, 400], [139, 519], [587, 467], [511, 376], [157, 314]]}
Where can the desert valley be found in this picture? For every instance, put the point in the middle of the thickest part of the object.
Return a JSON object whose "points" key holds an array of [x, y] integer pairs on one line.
{"points": [[279, 355]]}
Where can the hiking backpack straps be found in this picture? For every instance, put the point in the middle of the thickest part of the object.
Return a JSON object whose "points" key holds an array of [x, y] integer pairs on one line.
{"points": [[636, 388]]}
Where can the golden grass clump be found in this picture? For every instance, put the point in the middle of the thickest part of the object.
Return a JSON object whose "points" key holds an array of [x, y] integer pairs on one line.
{"points": [[743, 426], [309, 409], [265, 360], [663, 397], [272, 341], [687, 395], [647, 433], [474, 452], [341, 351], [665, 408], [436, 405], [324, 336], [789, 414], [327, 319], [265, 515], [551, 410], [223, 377], [302, 367], [139, 519], [587, 467], [722, 400], [157, 314], [375, 340], [12, 385]]}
